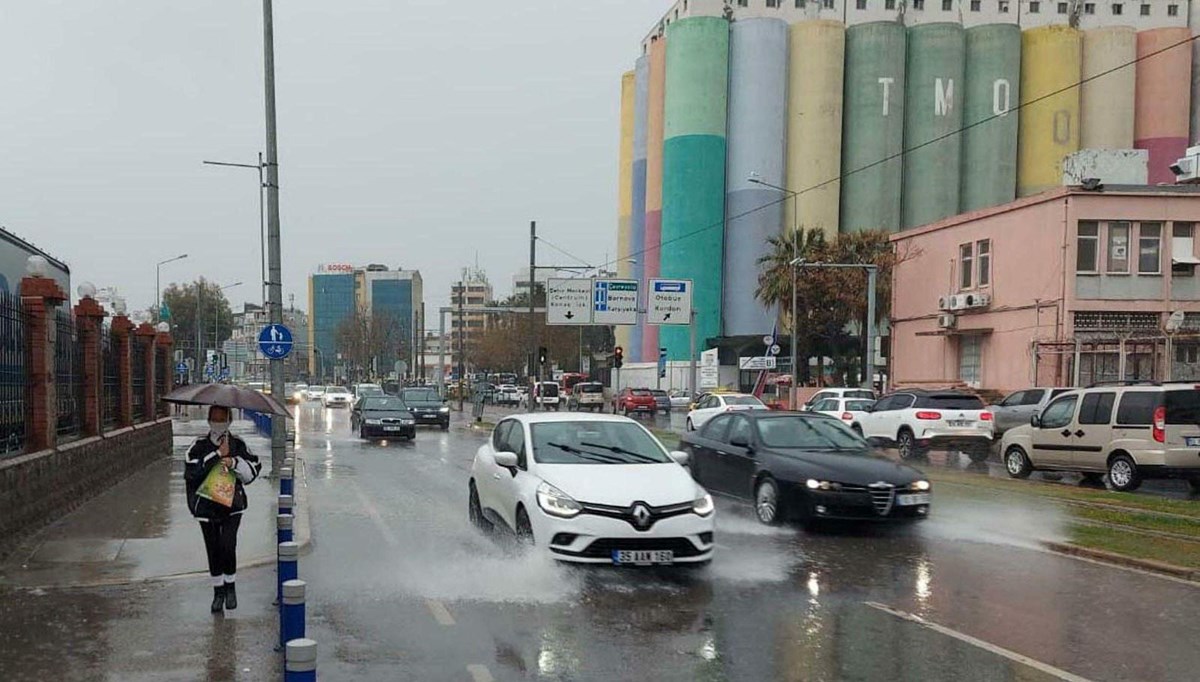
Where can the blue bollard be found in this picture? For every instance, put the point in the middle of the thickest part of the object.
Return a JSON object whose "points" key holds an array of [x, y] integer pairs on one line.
{"points": [[288, 567], [291, 618], [287, 484], [285, 504], [283, 528], [300, 661]]}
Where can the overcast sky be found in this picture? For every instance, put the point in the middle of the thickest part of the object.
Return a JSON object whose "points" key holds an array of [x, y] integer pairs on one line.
{"points": [[416, 133]]}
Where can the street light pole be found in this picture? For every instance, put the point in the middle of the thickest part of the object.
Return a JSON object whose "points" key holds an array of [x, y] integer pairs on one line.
{"points": [[262, 230], [274, 285], [158, 285], [795, 196]]}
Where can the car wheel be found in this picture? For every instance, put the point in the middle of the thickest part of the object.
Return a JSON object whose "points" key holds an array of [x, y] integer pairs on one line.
{"points": [[857, 429], [362, 433], [524, 528], [1123, 473], [690, 426], [979, 453], [1017, 463], [767, 505], [475, 511], [1194, 484], [906, 445], [445, 426]]}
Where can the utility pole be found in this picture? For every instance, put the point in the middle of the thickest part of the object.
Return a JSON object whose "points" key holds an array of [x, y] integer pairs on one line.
{"points": [[692, 355], [199, 316], [275, 285], [534, 374], [462, 350]]}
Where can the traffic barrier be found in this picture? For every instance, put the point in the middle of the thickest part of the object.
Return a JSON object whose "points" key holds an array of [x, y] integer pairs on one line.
{"points": [[283, 528], [300, 661], [288, 568], [291, 616], [287, 484], [286, 504]]}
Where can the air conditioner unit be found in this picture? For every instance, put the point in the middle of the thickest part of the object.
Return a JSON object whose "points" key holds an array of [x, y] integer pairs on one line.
{"points": [[958, 302], [944, 302], [947, 321], [981, 301]]}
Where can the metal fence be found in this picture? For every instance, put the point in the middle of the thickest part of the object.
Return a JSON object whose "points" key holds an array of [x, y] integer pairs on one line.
{"points": [[161, 366], [13, 378], [138, 379], [110, 396], [68, 377]]}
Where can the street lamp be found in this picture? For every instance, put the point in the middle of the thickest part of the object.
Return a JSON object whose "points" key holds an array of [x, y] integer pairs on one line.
{"points": [[262, 229], [795, 196], [872, 274], [158, 284]]}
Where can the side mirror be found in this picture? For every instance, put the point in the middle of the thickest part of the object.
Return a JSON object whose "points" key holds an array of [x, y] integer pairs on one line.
{"points": [[739, 442], [680, 457], [508, 460], [1036, 421]]}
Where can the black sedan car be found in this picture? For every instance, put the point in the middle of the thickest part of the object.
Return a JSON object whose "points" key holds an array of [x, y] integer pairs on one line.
{"points": [[383, 417], [427, 406], [803, 466]]}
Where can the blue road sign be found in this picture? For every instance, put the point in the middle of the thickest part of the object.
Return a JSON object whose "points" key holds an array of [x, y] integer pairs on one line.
{"points": [[181, 368], [600, 297], [225, 373], [675, 287], [275, 341]]}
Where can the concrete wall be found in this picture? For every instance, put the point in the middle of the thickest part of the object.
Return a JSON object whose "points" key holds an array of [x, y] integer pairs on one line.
{"points": [[40, 487], [1112, 166], [625, 232]]}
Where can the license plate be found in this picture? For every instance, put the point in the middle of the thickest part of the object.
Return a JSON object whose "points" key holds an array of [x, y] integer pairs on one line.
{"points": [[643, 557], [959, 424], [1192, 441], [911, 500], [391, 428]]}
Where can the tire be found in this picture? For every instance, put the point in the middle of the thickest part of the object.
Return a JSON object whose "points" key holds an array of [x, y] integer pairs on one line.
{"points": [[524, 528], [979, 453], [1123, 473], [626, 410], [857, 429], [690, 426], [906, 445], [445, 426], [475, 511], [768, 507], [1194, 485], [362, 433], [1017, 463]]}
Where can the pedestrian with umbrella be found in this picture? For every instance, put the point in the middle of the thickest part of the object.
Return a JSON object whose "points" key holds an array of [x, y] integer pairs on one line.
{"points": [[217, 470]]}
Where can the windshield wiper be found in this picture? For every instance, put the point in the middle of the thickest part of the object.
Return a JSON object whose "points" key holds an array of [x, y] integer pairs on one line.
{"points": [[622, 451], [591, 455]]}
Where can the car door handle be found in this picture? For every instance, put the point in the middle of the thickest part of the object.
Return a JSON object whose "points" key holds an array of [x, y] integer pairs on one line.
{"points": [[1066, 433], [497, 477], [1080, 433]]}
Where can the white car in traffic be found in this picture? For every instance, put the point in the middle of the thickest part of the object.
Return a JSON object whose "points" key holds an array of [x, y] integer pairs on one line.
{"points": [[337, 396], [849, 410], [715, 403], [593, 488]]}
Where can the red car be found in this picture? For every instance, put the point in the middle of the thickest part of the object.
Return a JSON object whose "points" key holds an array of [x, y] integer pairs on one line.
{"points": [[631, 400]]}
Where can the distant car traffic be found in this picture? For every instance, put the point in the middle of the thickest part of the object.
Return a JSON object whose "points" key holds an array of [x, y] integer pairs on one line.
{"points": [[507, 394], [1017, 408], [590, 489], [919, 420], [680, 399], [803, 466], [588, 395], [547, 395], [849, 410], [364, 390], [661, 400], [712, 404], [337, 396], [382, 417], [427, 406], [827, 393], [314, 392], [634, 400], [295, 393]]}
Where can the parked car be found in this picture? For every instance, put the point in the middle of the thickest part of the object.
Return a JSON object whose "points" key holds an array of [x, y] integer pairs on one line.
{"points": [[427, 406], [382, 417], [661, 400], [314, 392], [1130, 433], [680, 399], [803, 466], [849, 410], [508, 394], [591, 489], [547, 395], [634, 400], [826, 393], [919, 420], [712, 404], [337, 396], [588, 395], [364, 390], [1017, 408]]}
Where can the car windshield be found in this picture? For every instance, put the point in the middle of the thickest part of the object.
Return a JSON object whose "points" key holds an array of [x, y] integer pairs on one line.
{"points": [[864, 394], [338, 390], [548, 390], [658, 393], [589, 388], [742, 400], [808, 433], [370, 389], [595, 442], [950, 401], [317, 389], [641, 392], [859, 405], [422, 395], [387, 403]]}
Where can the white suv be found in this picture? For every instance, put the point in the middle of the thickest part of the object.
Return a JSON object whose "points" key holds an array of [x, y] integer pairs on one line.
{"points": [[917, 421]]}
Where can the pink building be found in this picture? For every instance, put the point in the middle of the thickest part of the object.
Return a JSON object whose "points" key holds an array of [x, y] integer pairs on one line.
{"points": [[1069, 287]]}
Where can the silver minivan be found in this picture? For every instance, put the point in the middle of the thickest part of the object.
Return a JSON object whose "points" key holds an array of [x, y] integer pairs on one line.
{"points": [[1129, 432]]}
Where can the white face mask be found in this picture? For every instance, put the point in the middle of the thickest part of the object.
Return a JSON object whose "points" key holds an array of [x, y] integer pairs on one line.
{"points": [[218, 428]]}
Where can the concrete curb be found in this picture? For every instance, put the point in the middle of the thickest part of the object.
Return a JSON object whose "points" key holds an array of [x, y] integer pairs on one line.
{"points": [[1150, 565]]}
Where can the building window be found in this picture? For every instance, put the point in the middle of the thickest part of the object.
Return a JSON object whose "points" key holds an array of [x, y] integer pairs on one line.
{"points": [[970, 352], [1089, 8], [1087, 248], [1118, 248], [889, 4], [1004, 6], [1035, 7], [947, 5], [976, 5], [743, 3], [1183, 249], [1116, 10], [773, 3], [827, 4], [1062, 8], [861, 4], [1172, 10], [965, 266], [801, 3], [1150, 249], [918, 4], [1189, 354], [1145, 10], [983, 258]]}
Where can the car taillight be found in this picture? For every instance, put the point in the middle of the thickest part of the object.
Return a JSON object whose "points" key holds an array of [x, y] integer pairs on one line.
{"points": [[1160, 424], [985, 416], [847, 416], [929, 415]]}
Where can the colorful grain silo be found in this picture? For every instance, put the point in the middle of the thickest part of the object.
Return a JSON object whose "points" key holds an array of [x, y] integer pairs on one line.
{"points": [[1051, 67], [814, 124], [933, 115], [873, 126], [625, 232], [1162, 113], [651, 256], [693, 211], [988, 175], [1107, 96], [758, 73]]}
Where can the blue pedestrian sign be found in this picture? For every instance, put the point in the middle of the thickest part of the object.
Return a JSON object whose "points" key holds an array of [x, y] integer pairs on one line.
{"points": [[224, 373], [181, 368], [275, 341]]}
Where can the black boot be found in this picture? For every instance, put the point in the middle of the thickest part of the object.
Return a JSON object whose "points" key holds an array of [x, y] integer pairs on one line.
{"points": [[218, 604], [230, 596]]}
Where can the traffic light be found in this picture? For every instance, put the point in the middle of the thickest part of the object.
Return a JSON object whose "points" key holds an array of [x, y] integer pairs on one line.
{"points": [[542, 355], [618, 357]]}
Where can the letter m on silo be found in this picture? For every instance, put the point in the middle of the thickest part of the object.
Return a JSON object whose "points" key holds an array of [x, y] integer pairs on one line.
{"points": [[943, 96]]}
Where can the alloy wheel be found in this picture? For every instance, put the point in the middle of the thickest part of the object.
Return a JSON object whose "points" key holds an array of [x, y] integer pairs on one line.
{"points": [[766, 502], [1120, 473], [1014, 462]]}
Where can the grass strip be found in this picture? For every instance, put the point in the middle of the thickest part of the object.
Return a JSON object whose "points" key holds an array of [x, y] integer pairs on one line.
{"points": [[1167, 550], [1139, 520]]}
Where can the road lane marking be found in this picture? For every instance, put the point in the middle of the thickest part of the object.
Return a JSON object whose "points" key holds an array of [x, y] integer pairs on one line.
{"points": [[373, 512], [480, 673], [986, 646], [440, 613]]}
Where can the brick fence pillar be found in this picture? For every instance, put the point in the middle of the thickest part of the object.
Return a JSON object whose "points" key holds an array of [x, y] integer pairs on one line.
{"points": [[122, 337], [164, 345], [144, 335], [88, 317], [40, 296]]}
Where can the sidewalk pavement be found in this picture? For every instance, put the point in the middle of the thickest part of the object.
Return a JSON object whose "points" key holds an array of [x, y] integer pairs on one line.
{"points": [[141, 530]]}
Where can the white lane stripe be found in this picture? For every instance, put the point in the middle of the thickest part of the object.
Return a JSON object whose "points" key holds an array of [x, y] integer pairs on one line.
{"points": [[373, 512], [440, 613], [480, 673], [986, 646]]}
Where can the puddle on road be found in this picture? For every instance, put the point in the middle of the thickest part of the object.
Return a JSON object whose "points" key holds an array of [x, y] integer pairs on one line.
{"points": [[979, 519]]}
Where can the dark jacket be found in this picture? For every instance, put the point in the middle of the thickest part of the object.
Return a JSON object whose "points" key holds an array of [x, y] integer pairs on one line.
{"points": [[201, 458]]}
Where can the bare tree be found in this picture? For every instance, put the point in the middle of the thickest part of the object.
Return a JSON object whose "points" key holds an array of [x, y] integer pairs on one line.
{"points": [[370, 344]]}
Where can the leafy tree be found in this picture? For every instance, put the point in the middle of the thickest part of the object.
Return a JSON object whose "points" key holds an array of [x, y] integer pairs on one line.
{"points": [[215, 313]]}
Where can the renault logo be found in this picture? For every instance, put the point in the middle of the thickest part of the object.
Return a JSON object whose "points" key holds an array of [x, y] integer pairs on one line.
{"points": [[641, 516]]}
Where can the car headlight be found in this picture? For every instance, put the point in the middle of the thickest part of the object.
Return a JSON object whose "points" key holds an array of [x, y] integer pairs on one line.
{"points": [[374, 422], [444, 410], [814, 484], [703, 505], [557, 503], [919, 485], [407, 422]]}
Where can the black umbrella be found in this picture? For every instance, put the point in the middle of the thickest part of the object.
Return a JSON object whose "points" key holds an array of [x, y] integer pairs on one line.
{"points": [[226, 395]]}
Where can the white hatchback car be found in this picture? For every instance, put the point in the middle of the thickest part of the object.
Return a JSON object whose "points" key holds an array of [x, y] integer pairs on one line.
{"points": [[715, 403], [849, 410], [595, 488]]}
